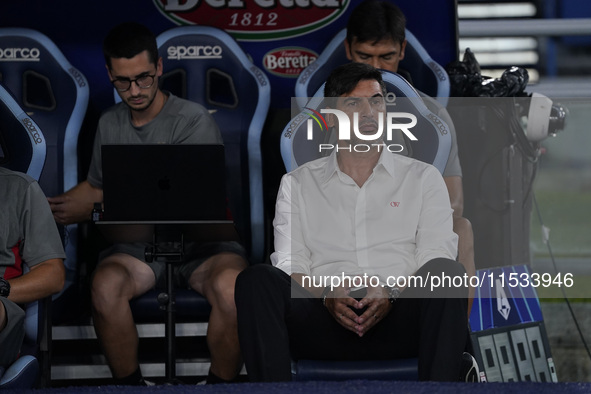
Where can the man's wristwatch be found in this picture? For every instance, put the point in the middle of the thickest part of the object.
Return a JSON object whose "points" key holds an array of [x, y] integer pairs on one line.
{"points": [[393, 293], [324, 294], [4, 287]]}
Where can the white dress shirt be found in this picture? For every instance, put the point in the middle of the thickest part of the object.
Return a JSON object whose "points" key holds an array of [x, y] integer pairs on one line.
{"points": [[326, 225]]}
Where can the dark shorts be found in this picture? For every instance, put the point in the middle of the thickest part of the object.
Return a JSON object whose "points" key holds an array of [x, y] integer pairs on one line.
{"points": [[194, 256], [11, 337]]}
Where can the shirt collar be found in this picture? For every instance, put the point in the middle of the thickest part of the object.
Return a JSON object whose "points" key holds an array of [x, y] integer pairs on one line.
{"points": [[331, 166], [385, 161]]}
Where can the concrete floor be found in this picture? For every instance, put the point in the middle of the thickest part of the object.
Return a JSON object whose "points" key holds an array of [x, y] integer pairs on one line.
{"points": [[573, 363]]}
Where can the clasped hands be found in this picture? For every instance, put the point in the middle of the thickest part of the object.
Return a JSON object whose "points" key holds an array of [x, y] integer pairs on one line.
{"points": [[358, 316]]}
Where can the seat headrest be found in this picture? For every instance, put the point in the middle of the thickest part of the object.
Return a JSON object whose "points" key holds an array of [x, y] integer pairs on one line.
{"points": [[426, 74], [53, 92], [210, 61], [36, 71]]}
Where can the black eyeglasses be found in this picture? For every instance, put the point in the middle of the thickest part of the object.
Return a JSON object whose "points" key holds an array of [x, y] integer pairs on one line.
{"points": [[143, 82]]}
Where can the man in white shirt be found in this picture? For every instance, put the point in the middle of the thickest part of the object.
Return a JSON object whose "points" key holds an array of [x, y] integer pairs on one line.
{"points": [[349, 230]]}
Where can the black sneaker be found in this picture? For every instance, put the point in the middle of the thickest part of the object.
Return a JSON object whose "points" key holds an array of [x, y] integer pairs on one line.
{"points": [[469, 371]]}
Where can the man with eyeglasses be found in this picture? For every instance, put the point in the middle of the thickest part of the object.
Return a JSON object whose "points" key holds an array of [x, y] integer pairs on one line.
{"points": [[148, 115]]}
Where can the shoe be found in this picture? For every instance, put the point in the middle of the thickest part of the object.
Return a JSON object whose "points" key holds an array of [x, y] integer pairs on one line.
{"points": [[469, 371], [144, 382]]}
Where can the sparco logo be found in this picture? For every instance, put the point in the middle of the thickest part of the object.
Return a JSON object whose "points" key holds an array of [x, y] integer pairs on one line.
{"points": [[33, 130], [295, 123], [78, 77], [303, 78], [19, 54], [255, 19], [442, 127], [437, 70], [259, 75], [194, 52]]}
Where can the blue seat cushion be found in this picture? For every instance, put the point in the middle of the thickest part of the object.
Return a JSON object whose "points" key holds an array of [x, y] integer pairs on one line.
{"points": [[400, 369], [22, 374], [189, 306]]}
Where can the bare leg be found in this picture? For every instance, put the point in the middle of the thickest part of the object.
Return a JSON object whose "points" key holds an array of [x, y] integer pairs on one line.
{"points": [[215, 279], [117, 280], [463, 228]]}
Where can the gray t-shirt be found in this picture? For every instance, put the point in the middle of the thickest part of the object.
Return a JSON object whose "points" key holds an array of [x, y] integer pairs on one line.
{"points": [[179, 122], [27, 229], [453, 167]]}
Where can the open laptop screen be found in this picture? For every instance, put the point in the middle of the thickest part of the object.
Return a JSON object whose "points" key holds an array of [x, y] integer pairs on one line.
{"points": [[163, 182]]}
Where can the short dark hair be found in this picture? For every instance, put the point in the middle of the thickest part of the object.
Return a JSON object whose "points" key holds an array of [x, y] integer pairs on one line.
{"points": [[127, 40], [374, 21], [344, 79]]}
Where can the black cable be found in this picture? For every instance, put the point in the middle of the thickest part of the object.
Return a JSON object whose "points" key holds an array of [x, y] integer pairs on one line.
{"points": [[530, 186], [547, 241], [481, 180], [507, 113]]}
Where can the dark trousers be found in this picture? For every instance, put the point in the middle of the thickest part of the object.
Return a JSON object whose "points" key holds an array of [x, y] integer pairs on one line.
{"points": [[278, 321]]}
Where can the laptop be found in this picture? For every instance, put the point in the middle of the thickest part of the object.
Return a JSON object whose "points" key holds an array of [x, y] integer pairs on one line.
{"points": [[149, 185], [163, 182]]}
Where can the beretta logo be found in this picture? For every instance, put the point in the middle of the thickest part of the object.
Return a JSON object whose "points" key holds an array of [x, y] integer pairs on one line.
{"points": [[288, 62], [251, 20]]}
